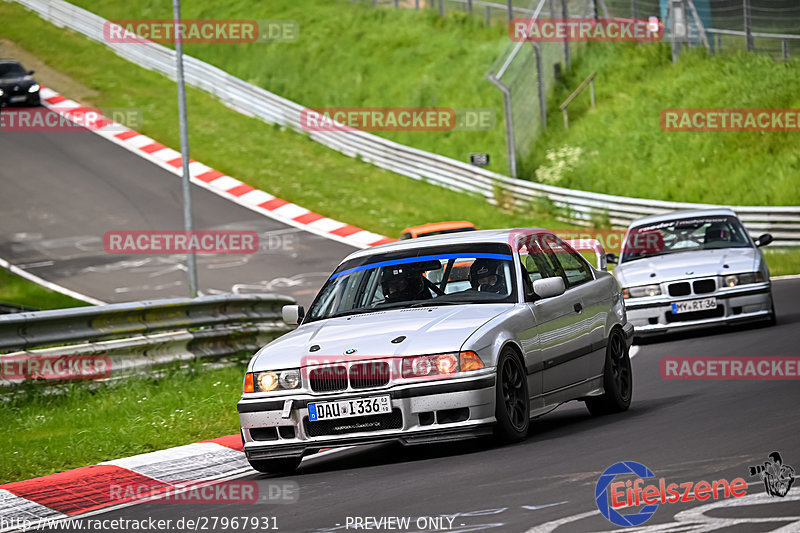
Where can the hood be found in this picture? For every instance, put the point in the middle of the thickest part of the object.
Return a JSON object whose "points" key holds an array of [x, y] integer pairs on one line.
{"points": [[685, 265], [428, 330]]}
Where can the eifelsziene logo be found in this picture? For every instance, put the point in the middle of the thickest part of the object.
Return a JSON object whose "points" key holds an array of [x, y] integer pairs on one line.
{"points": [[777, 477]]}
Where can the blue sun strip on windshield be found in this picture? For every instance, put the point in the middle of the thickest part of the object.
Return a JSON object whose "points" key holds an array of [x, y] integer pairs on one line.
{"points": [[419, 259]]}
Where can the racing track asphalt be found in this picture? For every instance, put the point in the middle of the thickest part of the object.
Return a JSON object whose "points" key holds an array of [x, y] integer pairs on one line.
{"points": [[61, 191], [682, 430]]}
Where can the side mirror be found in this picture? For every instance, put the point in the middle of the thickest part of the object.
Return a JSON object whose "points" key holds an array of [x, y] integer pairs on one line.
{"points": [[764, 240], [549, 287], [611, 258], [293, 314], [30, 72]]}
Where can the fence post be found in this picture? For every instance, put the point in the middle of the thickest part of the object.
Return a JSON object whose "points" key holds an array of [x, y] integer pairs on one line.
{"points": [[469, 6], [540, 83], [510, 10], [488, 16], [591, 90], [634, 11], [512, 155], [396, 3], [416, 4], [747, 29], [785, 49], [565, 15], [441, 8], [594, 9]]}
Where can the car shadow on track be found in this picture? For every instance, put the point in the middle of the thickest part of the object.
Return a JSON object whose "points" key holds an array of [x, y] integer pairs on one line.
{"points": [[559, 424], [713, 331], [391, 453]]}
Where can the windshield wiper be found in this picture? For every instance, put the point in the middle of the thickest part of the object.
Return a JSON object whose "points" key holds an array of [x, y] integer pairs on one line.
{"points": [[428, 303]]}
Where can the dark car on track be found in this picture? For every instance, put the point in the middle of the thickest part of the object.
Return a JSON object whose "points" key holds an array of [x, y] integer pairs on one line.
{"points": [[17, 86]]}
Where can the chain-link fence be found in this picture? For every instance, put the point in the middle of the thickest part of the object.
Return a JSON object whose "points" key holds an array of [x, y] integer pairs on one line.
{"points": [[525, 71]]}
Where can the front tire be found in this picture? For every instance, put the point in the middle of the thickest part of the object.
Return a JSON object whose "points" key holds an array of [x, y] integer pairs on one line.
{"points": [[512, 406], [617, 379], [275, 466]]}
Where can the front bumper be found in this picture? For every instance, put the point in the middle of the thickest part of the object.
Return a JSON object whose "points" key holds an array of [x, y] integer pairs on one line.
{"points": [[426, 412], [653, 315], [30, 99]]}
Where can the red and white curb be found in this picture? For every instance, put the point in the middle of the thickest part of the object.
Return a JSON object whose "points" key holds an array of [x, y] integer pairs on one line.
{"points": [[92, 488], [214, 180]]}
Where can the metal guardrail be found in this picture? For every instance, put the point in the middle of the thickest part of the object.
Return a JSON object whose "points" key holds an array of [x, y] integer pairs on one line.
{"points": [[782, 222], [60, 326], [144, 335]]}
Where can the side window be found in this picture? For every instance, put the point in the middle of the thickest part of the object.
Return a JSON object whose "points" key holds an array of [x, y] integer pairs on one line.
{"points": [[573, 266], [535, 265]]}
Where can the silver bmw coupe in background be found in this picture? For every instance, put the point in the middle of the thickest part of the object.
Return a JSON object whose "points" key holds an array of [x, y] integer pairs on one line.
{"points": [[438, 339], [693, 269]]}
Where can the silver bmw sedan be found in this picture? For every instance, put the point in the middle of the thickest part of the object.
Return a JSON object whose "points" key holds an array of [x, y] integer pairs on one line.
{"points": [[693, 269], [438, 339]]}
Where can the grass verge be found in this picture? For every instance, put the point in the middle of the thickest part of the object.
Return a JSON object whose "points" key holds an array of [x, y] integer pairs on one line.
{"points": [[18, 291], [354, 55], [284, 163], [47, 433]]}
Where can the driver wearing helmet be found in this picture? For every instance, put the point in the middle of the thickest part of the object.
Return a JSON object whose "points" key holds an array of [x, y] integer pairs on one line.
{"points": [[403, 283], [487, 275]]}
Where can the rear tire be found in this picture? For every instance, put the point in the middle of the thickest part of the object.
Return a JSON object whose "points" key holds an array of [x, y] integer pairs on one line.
{"points": [[512, 406], [275, 466], [617, 379]]}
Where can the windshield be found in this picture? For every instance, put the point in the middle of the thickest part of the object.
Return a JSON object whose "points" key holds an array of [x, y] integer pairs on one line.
{"points": [[12, 70], [684, 235], [442, 275]]}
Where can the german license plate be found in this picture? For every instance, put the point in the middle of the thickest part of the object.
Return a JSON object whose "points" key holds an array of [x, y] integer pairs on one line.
{"points": [[347, 408], [690, 306], [15, 99]]}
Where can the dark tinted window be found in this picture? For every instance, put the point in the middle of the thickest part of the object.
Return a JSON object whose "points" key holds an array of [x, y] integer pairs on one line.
{"points": [[11, 70]]}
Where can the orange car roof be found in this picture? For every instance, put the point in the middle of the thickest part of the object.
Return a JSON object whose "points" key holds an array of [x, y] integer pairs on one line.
{"points": [[438, 226]]}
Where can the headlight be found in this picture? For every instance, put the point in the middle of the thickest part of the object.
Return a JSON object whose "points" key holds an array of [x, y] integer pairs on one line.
{"points": [[272, 381], [1, 92], [742, 279], [33, 88], [640, 292], [420, 366]]}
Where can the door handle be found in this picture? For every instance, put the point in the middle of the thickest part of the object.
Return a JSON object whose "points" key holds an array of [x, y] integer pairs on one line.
{"points": [[578, 307]]}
